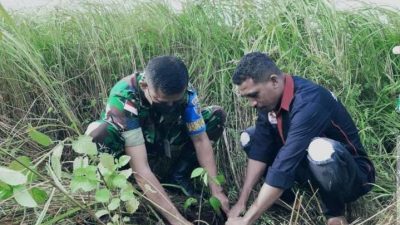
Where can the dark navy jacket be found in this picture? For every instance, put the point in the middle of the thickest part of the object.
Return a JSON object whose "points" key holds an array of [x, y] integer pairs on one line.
{"points": [[307, 110]]}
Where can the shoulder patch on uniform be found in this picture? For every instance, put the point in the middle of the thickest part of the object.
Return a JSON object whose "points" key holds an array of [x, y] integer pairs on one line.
{"points": [[130, 107]]}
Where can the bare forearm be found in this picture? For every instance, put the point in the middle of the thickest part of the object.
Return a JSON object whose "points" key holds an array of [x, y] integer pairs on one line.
{"points": [[206, 159], [265, 199], [253, 173], [151, 186], [157, 195]]}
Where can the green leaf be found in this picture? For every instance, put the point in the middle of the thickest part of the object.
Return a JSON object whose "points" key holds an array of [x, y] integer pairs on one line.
{"points": [[220, 179], [89, 172], [80, 162], [6, 191], [107, 161], [82, 183], [205, 179], [39, 195], [127, 193], [84, 145], [197, 172], [115, 202], [189, 202], [55, 160], [123, 160], [115, 218], [12, 177], [126, 173], [15, 165], [39, 137], [132, 205], [58, 150], [26, 162], [215, 204], [23, 197], [103, 195], [119, 181], [101, 213]]}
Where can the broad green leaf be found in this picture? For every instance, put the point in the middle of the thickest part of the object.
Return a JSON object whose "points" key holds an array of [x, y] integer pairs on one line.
{"points": [[89, 172], [23, 197], [119, 181], [58, 150], [220, 179], [127, 193], [197, 172], [39, 137], [80, 162], [115, 218], [126, 173], [102, 195], [6, 191], [101, 213], [26, 162], [56, 167], [114, 204], [82, 183], [104, 171], [123, 160], [38, 195], [55, 160], [189, 202], [215, 204], [107, 161], [12, 177], [205, 179], [15, 165], [84, 145], [126, 219], [132, 205]]}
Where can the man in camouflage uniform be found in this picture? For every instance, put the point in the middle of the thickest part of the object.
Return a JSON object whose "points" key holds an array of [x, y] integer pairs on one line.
{"points": [[155, 118]]}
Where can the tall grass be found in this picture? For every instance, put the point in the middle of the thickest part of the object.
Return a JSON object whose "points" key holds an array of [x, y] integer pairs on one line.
{"points": [[56, 70]]}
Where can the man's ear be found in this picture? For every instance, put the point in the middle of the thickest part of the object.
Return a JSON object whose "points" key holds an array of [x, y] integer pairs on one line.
{"points": [[275, 79], [143, 84]]}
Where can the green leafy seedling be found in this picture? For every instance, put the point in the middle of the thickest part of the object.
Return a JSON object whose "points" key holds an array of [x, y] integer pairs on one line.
{"points": [[189, 202]]}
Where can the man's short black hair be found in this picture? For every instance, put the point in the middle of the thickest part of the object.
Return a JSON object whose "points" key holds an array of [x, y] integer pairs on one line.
{"points": [[167, 74], [255, 65]]}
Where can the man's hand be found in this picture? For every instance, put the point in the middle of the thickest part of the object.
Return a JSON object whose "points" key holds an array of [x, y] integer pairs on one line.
{"points": [[236, 210], [224, 201], [237, 221], [206, 159]]}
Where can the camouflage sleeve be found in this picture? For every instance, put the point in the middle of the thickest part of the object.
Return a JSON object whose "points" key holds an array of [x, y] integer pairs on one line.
{"points": [[123, 113], [193, 119]]}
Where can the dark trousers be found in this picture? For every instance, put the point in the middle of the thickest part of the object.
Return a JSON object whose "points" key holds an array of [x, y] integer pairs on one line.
{"points": [[340, 178]]}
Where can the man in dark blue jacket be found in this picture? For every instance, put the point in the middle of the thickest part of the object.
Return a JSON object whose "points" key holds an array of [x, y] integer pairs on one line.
{"points": [[302, 133]]}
